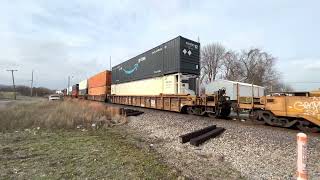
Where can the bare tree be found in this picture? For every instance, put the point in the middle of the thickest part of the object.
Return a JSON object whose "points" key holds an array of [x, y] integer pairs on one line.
{"points": [[258, 67], [250, 66], [278, 86], [232, 69], [212, 56]]}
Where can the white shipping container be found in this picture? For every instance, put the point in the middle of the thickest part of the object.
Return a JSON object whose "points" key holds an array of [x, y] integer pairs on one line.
{"points": [[69, 90], [83, 85], [245, 89], [154, 86]]}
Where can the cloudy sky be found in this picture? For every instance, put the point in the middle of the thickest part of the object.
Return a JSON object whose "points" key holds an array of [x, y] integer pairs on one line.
{"points": [[60, 38]]}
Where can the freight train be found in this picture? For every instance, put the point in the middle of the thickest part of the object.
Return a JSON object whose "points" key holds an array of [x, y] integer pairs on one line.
{"points": [[166, 78]]}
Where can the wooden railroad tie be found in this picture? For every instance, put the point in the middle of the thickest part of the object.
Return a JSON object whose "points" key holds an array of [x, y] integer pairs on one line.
{"points": [[186, 137], [204, 137], [200, 136]]}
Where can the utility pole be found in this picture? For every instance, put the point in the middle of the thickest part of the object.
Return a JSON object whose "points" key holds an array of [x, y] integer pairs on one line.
{"points": [[14, 86], [68, 85], [110, 63], [31, 86]]}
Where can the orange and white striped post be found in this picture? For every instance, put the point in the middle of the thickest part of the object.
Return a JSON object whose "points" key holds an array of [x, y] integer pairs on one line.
{"points": [[302, 140]]}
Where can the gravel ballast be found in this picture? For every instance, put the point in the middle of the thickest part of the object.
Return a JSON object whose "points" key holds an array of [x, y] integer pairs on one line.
{"points": [[244, 150]]}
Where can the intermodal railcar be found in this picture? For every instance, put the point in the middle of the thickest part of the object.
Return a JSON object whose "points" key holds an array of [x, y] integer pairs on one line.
{"points": [[166, 77], [287, 109]]}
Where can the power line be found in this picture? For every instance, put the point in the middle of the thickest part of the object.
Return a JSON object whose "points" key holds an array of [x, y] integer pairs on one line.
{"points": [[14, 86]]}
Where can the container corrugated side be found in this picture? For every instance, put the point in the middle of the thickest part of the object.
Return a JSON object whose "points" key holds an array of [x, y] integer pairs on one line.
{"points": [[100, 79], [154, 86], [179, 55], [151, 86], [103, 90]]}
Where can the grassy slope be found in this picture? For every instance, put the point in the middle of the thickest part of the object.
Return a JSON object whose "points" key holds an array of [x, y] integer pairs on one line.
{"points": [[75, 154], [6, 95], [59, 151]]}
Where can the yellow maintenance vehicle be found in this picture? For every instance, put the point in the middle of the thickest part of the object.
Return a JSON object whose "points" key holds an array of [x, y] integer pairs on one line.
{"points": [[286, 109]]}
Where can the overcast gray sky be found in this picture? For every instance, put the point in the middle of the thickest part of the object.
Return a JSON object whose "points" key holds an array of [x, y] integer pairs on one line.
{"points": [[60, 38]]}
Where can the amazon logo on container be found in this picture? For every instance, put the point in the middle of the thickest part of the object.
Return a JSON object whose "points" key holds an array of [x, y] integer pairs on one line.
{"points": [[134, 68]]}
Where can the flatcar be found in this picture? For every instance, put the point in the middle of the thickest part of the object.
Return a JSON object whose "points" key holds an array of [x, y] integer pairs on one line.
{"points": [[287, 109]]}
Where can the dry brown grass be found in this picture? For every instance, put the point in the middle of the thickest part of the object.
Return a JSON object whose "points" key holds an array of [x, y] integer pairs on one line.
{"points": [[6, 95], [66, 114]]}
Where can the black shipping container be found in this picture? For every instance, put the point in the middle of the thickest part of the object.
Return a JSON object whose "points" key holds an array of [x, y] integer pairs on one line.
{"points": [[179, 55], [75, 87]]}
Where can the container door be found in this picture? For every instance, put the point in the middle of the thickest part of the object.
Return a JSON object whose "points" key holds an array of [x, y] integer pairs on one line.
{"points": [[189, 56]]}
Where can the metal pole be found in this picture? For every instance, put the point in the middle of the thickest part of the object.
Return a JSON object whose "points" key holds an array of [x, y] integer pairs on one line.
{"points": [[14, 86], [252, 93], [302, 140], [31, 88], [238, 102], [110, 63], [68, 85]]}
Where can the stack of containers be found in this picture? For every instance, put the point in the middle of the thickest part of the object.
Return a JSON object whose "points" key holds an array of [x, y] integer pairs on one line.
{"points": [[75, 91], [64, 92], [99, 86], [83, 89], [170, 68]]}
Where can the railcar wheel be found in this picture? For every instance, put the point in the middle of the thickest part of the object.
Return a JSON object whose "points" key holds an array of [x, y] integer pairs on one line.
{"points": [[282, 122], [256, 117], [190, 110], [225, 112], [211, 114], [306, 126]]}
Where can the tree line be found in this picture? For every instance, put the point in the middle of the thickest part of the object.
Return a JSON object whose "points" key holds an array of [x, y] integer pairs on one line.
{"points": [[26, 91], [253, 66]]}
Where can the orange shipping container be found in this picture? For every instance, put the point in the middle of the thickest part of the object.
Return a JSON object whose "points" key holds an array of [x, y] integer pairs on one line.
{"points": [[100, 80], [99, 91]]}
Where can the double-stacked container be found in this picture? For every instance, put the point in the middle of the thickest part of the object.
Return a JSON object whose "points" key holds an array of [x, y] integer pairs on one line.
{"points": [[99, 86], [83, 89], [75, 91], [170, 68]]}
